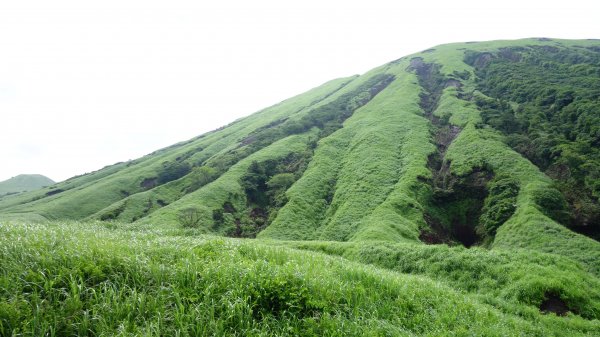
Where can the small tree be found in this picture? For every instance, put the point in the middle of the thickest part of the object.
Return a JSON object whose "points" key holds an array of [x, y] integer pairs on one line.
{"points": [[278, 184], [189, 217]]}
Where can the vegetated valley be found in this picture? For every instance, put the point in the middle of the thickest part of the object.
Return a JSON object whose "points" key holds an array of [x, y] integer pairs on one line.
{"points": [[453, 192]]}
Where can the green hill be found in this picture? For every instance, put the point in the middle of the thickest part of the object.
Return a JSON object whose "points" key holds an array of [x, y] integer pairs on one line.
{"points": [[450, 192], [24, 183]]}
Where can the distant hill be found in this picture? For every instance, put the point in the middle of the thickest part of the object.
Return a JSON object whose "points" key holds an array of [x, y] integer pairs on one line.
{"points": [[24, 183]]}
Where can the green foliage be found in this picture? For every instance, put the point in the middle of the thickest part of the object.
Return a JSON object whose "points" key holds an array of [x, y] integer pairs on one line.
{"points": [[90, 194], [201, 176], [172, 171], [327, 117], [362, 180], [264, 185], [278, 184], [500, 204], [366, 161], [545, 99], [514, 281], [189, 217], [551, 203]]}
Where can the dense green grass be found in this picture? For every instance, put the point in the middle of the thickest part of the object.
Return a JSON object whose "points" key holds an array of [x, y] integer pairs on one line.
{"points": [[476, 148], [65, 279], [227, 187], [357, 182], [515, 281]]}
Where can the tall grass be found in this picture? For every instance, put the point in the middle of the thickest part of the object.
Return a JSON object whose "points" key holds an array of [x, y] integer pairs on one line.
{"points": [[84, 279]]}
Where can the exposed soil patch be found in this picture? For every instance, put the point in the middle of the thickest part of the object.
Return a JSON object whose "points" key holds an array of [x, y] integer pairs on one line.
{"points": [[482, 60], [258, 214], [149, 183], [465, 234], [553, 303], [431, 80], [591, 231]]}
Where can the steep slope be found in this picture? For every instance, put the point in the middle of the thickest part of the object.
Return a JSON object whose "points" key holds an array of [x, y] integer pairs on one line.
{"points": [[24, 183], [473, 166], [449, 145]]}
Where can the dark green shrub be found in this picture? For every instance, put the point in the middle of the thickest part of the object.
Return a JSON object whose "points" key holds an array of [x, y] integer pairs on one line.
{"points": [[281, 293], [278, 184], [201, 176], [552, 203], [189, 217], [499, 206], [172, 171]]}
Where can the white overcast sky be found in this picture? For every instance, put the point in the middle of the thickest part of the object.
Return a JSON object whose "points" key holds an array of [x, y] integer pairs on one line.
{"points": [[84, 84]]}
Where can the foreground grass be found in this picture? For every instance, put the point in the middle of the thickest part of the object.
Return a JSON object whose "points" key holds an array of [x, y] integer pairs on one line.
{"points": [[66, 279], [514, 281]]}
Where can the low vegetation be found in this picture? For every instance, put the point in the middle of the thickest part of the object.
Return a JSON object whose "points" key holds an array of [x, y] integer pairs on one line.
{"points": [[90, 279]]}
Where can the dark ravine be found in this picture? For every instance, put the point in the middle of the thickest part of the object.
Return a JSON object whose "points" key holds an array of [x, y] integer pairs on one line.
{"points": [[458, 201]]}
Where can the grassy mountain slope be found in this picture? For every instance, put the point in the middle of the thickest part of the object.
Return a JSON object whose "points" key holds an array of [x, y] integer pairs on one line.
{"points": [[93, 192], [24, 183], [472, 166], [355, 169]]}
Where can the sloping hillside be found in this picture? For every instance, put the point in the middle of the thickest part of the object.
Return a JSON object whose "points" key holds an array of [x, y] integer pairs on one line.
{"points": [[393, 154], [472, 165]]}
